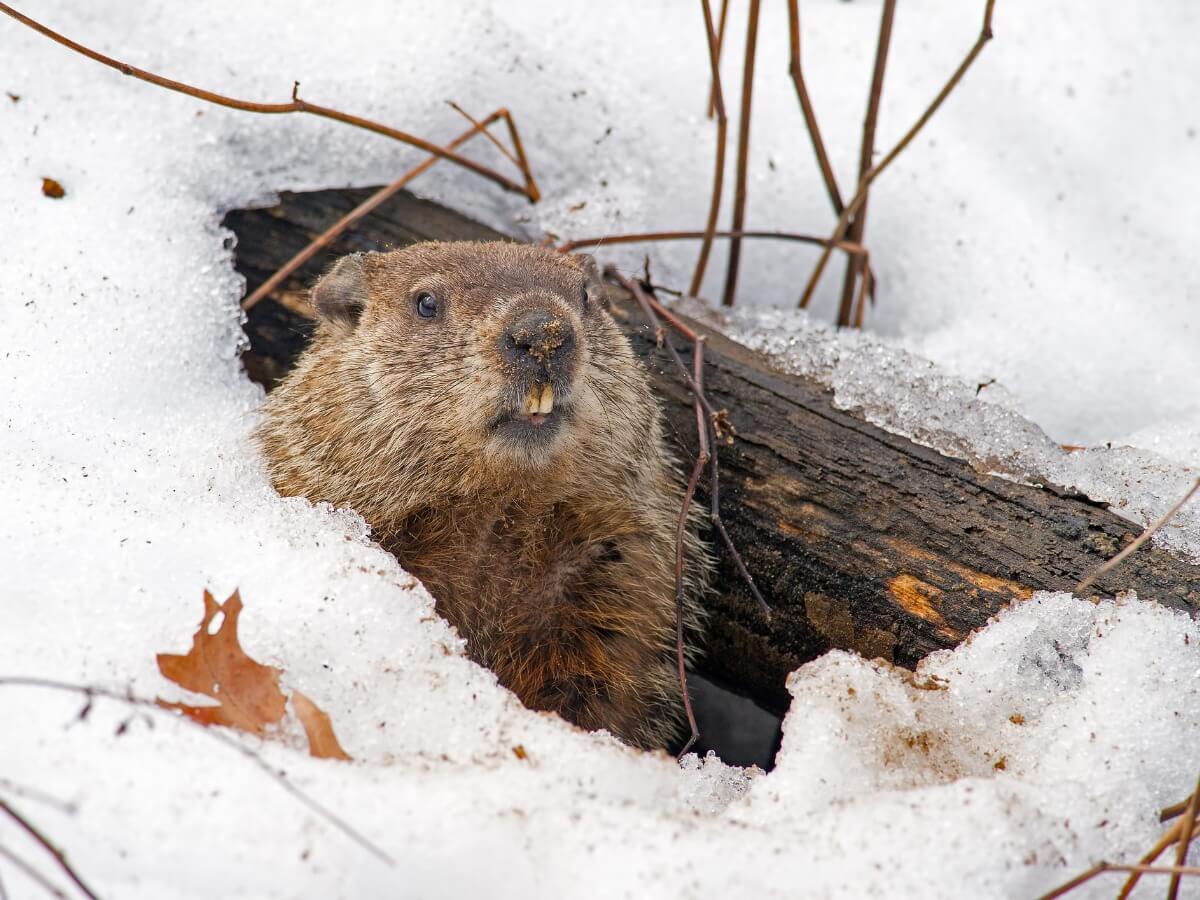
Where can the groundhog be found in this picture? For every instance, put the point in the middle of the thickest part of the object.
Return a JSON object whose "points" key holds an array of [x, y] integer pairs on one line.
{"points": [[479, 407]]}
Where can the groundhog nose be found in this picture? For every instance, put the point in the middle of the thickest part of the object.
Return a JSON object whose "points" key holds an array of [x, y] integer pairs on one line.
{"points": [[539, 338]]}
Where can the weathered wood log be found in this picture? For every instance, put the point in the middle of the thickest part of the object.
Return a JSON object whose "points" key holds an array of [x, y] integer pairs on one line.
{"points": [[859, 539]]}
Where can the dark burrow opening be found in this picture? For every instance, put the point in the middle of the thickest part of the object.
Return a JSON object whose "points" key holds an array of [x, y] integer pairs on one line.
{"points": [[736, 728]]}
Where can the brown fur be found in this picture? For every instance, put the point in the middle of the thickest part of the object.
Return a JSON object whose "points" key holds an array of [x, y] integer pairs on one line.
{"points": [[554, 559]]}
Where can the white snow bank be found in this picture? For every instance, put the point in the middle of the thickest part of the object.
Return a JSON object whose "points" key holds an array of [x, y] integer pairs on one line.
{"points": [[1041, 739], [129, 485]]}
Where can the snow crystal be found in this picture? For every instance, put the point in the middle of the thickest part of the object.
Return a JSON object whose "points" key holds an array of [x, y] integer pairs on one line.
{"points": [[1026, 241], [708, 785]]}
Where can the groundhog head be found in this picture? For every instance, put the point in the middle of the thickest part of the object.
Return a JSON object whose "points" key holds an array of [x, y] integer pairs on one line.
{"points": [[498, 353]]}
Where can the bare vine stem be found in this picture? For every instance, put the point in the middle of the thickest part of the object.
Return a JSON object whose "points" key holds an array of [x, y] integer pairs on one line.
{"points": [[680, 531], [1186, 826], [1182, 832], [718, 101], [653, 236], [90, 692], [60, 858], [330, 234], [720, 41], [706, 417], [295, 105], [656, 313], [864, 183], [1102, 867], [806, 107], [46, 884], [866, 152], [743, 160], [1137, 542]]}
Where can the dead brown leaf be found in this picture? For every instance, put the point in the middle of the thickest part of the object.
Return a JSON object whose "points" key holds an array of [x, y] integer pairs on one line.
{"points": [[322, 742], [247, 693], [53, 189]]}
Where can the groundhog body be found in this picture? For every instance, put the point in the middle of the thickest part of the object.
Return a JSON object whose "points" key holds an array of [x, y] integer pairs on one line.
{"points": [[478, 406]]}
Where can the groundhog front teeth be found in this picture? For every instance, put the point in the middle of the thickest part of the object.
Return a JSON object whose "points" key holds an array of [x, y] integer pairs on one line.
{"points": [[540, 401]]}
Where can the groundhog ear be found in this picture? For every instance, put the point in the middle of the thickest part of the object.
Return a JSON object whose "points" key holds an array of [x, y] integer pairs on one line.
{"points": [[592, 278], [587, 262], [341, 295]]}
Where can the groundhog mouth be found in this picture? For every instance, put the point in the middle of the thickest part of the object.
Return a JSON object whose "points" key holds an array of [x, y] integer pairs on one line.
{"points": [[537, 420]]}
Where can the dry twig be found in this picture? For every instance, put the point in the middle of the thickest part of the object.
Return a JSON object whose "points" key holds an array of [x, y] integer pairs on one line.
{"points": [[33, 874], [720, 40], [858, 223], [806, 107], [656, 314], [60, 858], [680, 530], [706, 416], [743, 161], [1186, 827], [330, 234], [1181, 833], [1152, 855], [839, 231], [1102, 867], [718, 99], [91, 693], [295, 105], [653, 236], [1134, 545]]}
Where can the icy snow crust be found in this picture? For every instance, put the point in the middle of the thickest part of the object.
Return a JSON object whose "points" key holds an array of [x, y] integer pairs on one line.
{"points": [[129, 484]]}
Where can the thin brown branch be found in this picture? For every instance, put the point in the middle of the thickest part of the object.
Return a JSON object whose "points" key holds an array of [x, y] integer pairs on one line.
{"points": [[516, 156], [714, 489], [1154, 870], [330, 234], [91, 692], [680, 531], [1152, 855], [718, 182], [695, 382], [1138, 542], [1103, 867], [743, 161], [1186, 826], [1075, 882], [653, 236], [33, 874], [863, 290], [1175, 809], [531, 189], [839, 231], [712, 94], [806, 107], [60, 858], [295, 105], [654, 312], [866, 153]]}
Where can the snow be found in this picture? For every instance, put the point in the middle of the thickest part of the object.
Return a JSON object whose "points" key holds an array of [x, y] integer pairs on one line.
{"points": [[1036, 234]]}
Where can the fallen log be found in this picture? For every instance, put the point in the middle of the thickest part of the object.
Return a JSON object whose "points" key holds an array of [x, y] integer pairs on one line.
{"points": [[859, 539]]}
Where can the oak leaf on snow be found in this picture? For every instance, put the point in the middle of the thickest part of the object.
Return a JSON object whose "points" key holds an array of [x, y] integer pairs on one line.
{"points": [[247, 692]]}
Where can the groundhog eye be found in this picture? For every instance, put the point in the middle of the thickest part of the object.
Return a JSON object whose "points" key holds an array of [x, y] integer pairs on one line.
{"points": [[426, 305], [584, 298]]}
